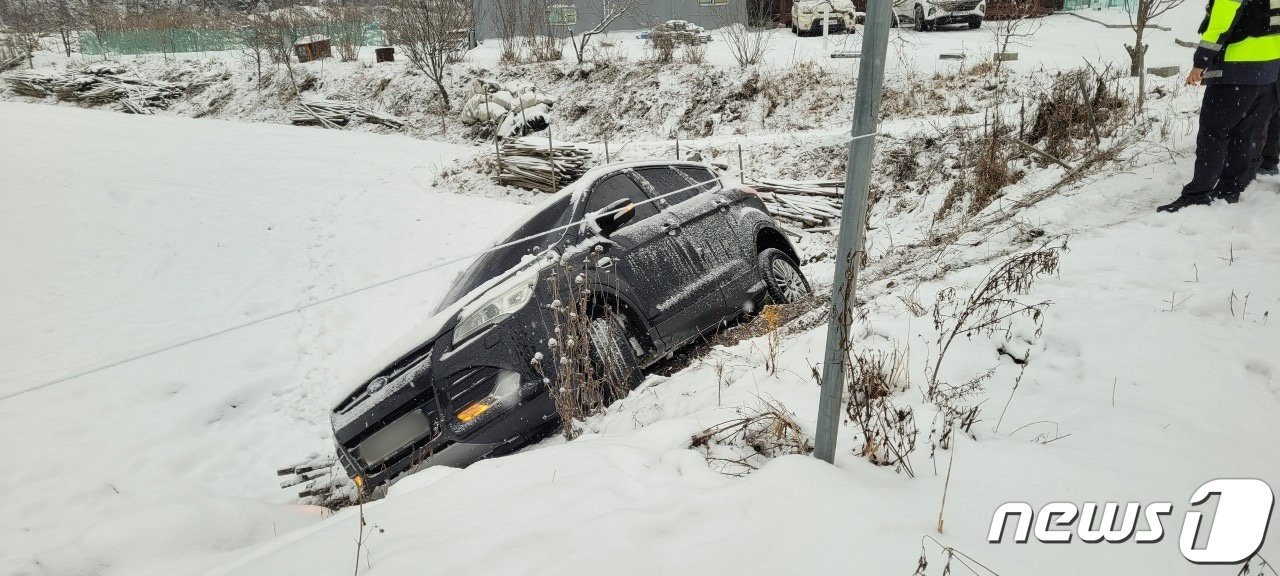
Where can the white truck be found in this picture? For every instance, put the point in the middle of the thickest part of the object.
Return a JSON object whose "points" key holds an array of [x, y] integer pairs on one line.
{"points": [[929, 14], [808, 16]]}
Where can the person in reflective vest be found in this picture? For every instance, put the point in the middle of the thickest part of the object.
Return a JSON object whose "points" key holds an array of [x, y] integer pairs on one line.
{"points": [[1238, 61]]}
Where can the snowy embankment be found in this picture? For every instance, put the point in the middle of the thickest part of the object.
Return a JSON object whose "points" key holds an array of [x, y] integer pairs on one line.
{"points": [[1149, 379], [1155, 372], [123, 234]]}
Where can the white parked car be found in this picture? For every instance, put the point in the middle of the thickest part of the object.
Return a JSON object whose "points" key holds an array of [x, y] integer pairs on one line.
{"points": [[929, 14], [807, 16]]}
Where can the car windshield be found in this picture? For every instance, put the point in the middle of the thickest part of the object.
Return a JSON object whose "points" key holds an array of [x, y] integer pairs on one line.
{"points": [[550, 216]]}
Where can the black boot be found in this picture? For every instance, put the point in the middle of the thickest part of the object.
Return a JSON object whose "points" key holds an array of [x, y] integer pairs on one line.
{"points": [[1229, 197], [1186, 200]]}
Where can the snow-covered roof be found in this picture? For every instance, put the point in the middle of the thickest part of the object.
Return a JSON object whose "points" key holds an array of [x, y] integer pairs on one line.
{"points": [[310, 39]]}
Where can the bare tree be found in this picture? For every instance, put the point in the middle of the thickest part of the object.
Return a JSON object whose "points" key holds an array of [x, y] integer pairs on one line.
{"points": [[102, 18], [346, 26], [1021, 24], [25, 23], [748, 41], [254, 36], [506, 16], [1143, 12], [64, 17], [432, 33], [539, 36], [613, 9]]}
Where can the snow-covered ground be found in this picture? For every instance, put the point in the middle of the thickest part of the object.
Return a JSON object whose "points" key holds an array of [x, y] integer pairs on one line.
{"points": [[1156, 371]]}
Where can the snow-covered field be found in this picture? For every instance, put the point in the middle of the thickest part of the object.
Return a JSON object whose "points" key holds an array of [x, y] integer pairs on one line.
{"points": [[1157, 369]]}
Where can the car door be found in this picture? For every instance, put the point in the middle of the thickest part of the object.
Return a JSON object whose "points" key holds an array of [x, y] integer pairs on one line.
{"points": [[647, 257], [707, 241], [738, 273]]}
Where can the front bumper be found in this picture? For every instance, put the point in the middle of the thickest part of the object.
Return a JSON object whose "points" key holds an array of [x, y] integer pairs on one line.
{"points": [[405, 420]]}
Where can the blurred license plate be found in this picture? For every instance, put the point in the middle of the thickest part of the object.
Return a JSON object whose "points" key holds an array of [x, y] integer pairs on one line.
{"points": [[405, 430]]}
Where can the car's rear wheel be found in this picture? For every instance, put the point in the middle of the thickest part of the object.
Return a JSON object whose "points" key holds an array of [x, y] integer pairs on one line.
{"points": [[612, 357], [783, 280], [921, 25]]}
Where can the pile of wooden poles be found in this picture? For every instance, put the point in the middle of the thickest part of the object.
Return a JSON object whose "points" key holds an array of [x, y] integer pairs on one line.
{"points": [[12, 62], [335, 113], [539, 164], [811, 204], [97, 86]]}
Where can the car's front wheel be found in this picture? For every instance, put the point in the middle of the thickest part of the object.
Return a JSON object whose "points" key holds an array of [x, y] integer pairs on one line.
{"points": [[921, 24], [612, 355], [975, 23], [782, 277]]}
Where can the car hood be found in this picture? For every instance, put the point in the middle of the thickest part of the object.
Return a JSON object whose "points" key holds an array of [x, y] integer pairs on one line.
{"points": [[430, 329]]}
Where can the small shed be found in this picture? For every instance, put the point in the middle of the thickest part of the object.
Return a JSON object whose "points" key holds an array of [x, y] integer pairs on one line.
{"points": [[310, 48]]}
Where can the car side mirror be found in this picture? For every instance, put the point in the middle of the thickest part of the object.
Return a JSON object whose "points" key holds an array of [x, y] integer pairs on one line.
{"points": [[609, 219]]}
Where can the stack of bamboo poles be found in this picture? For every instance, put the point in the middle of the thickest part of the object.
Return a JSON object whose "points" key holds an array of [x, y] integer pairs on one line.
{"points": [[540, 164], [97, 86], [13, 62], [334, 113], [811, 204]]}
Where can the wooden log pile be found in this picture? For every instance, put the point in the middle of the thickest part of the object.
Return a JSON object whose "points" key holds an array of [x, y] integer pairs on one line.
{"points": [[811, 204], [97, 86], [335, 113], [11, 63], [539, 164]]}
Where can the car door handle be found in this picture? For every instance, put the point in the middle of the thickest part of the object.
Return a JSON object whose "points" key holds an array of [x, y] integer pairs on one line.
{"points": [[671, 227]]}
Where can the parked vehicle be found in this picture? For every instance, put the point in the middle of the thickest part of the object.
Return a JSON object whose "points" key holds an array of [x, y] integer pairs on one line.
{"points": [[807, 16], [929, 14], [679, 254]]}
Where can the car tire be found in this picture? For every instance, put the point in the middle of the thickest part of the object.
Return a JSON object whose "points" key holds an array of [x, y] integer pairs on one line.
{"points": [[784, 283], [975, 23], [612, 355], [921, 25]]}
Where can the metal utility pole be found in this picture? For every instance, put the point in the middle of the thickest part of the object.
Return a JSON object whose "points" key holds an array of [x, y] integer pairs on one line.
{"points": [[853, 216]]}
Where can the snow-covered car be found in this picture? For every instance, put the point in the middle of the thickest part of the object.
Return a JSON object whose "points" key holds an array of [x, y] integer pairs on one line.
{"points": [[807, 16], [665, 252], [929, 14]]}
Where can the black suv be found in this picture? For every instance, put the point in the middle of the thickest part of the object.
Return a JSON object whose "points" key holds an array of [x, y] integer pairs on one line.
{"points": [[683, 254]]}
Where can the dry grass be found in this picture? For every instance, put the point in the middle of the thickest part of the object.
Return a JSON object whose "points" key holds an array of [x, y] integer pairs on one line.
{"points": [[739, 446]]}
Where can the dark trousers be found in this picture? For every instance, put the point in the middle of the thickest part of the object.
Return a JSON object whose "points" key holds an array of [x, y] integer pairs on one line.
{"points": [[1233, 123], [1271, 150]]}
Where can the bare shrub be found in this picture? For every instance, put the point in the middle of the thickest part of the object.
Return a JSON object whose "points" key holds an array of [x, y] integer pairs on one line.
{"points": [[1021, 25], [888, 431], [739, 446], [613, 9], [1141, 14], [748, 41], [507, 17], [431, 33], [694, 54], [538, 34], [1064, 119], [581, 382], [992, 306], [345, 23]]}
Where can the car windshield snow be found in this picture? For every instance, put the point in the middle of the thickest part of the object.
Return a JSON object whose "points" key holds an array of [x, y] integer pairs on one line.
{"points": [[551, 216]]}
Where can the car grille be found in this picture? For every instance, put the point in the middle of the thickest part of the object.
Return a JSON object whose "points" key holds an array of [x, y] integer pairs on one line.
{"points": [[964, 6]]}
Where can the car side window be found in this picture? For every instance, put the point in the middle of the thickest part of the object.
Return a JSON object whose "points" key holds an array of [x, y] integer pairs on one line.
{"points": [[619, 186], [665, 180], [701, 176]]}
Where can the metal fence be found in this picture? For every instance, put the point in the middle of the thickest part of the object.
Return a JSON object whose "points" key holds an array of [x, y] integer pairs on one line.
{"points": [[175, 40], [1095, 4]]}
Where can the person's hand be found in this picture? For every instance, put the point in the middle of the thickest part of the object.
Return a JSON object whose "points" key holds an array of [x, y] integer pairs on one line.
{"points": [[1195, 77]]}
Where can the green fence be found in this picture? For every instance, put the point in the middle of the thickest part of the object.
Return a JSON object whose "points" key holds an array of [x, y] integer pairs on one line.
{"points": [[1095, 4], [174, 40]]}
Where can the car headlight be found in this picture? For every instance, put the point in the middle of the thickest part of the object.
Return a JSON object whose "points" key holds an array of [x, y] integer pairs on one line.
{"points": [[505, 393], [484, 313]]}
